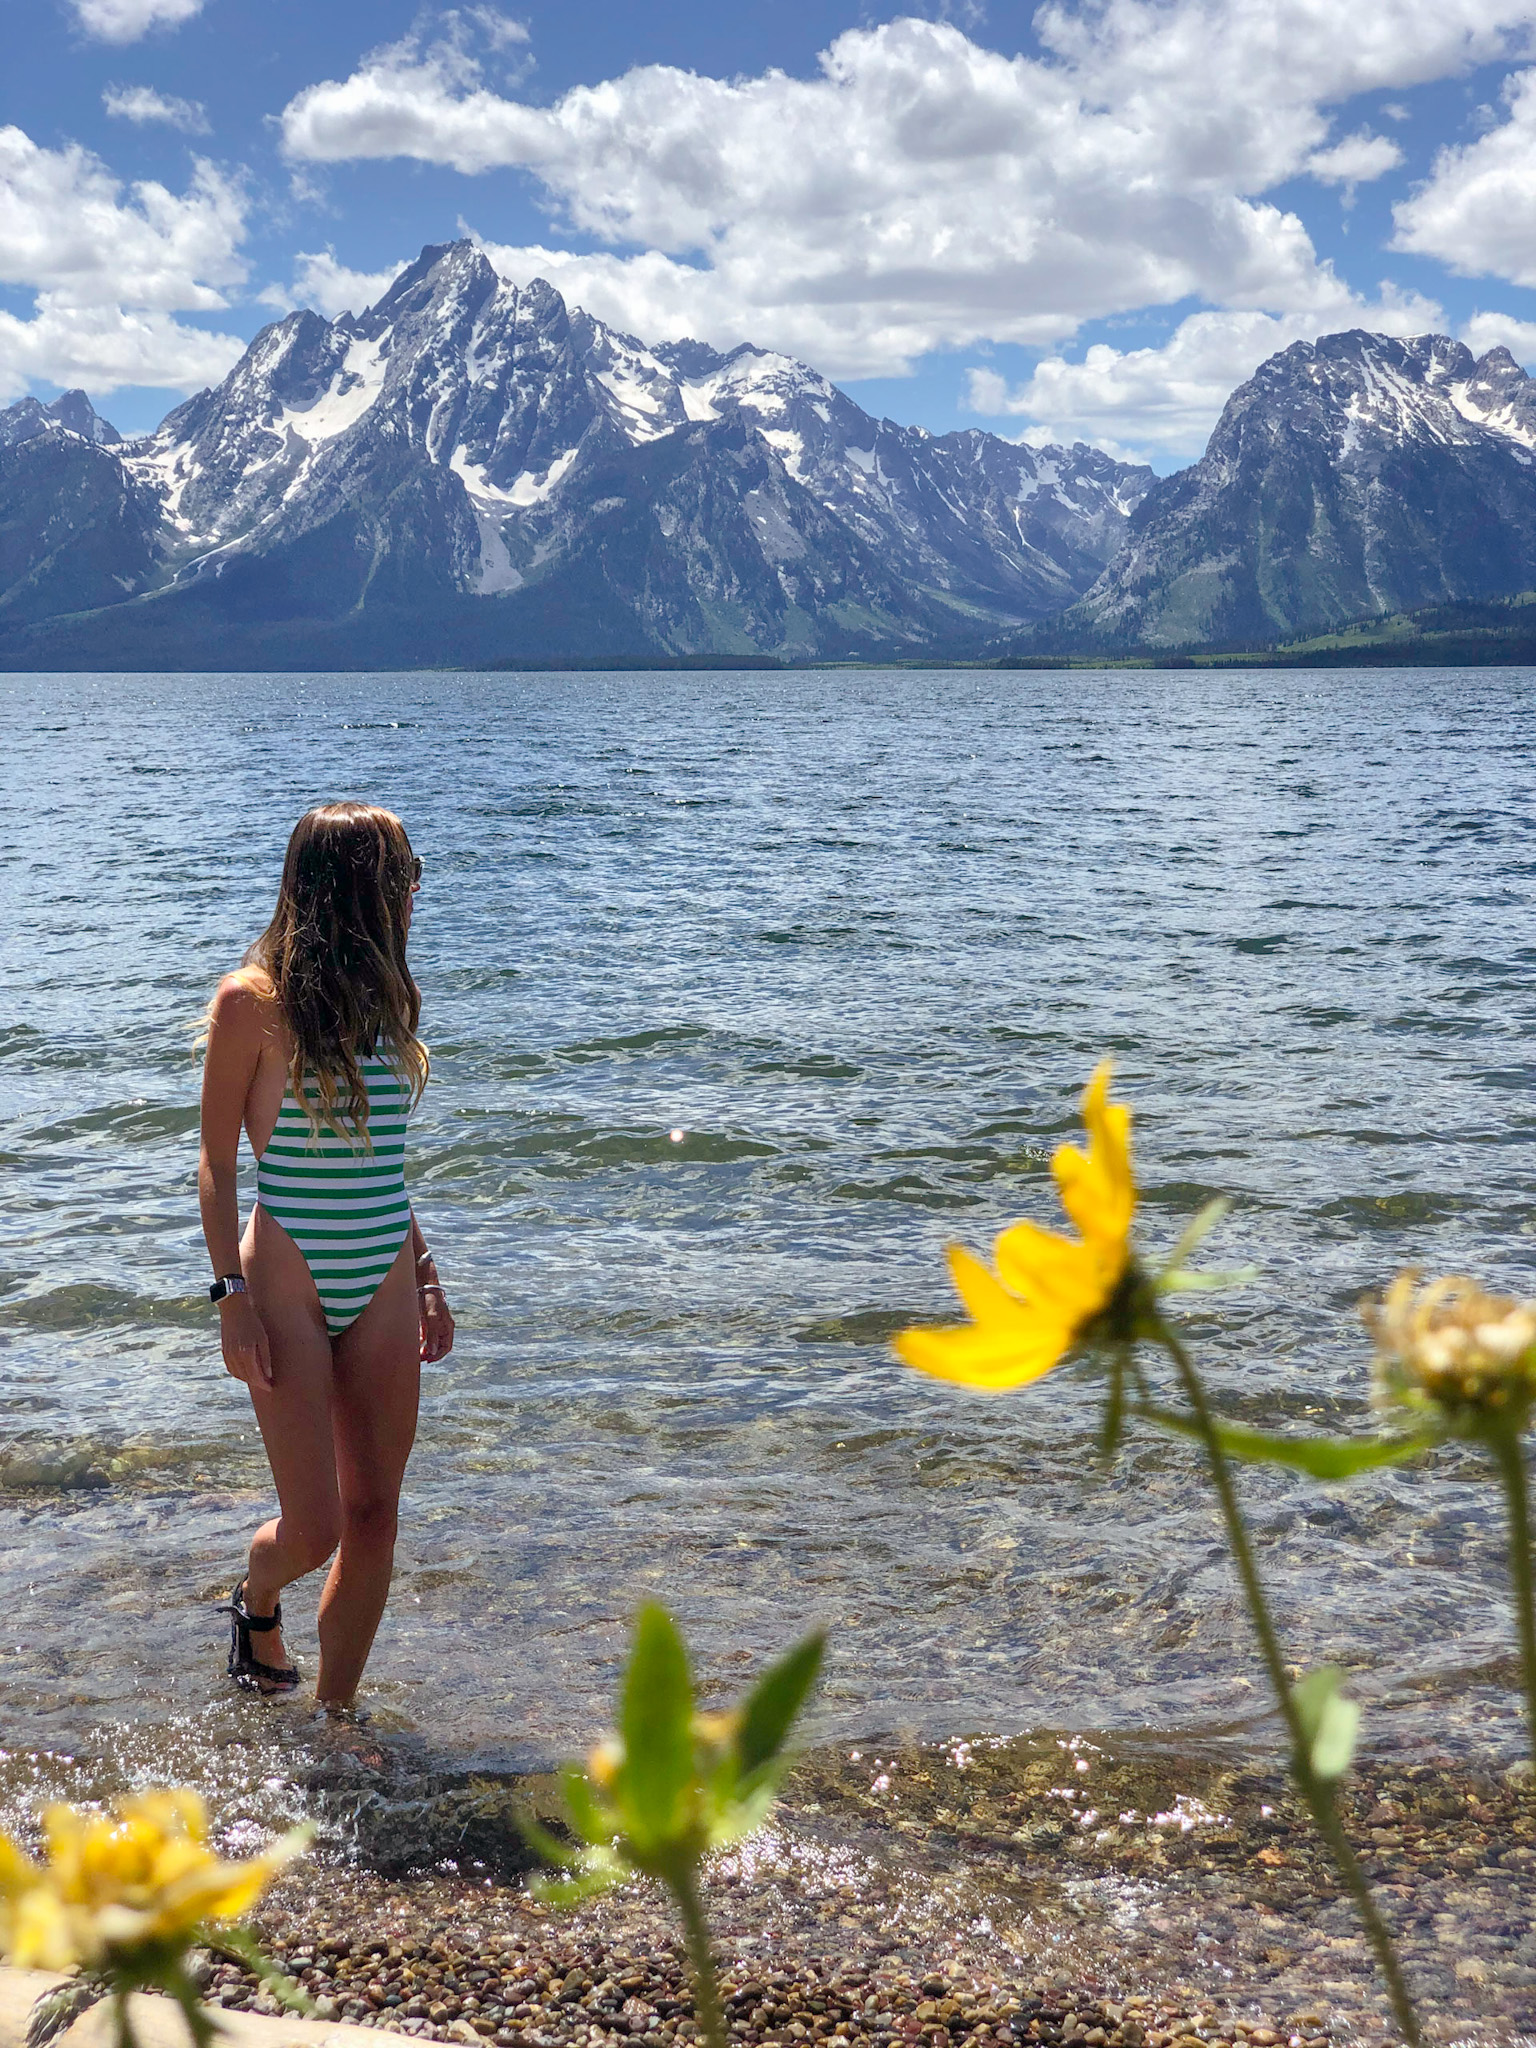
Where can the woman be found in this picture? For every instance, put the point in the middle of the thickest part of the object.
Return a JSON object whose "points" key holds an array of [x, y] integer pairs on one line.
{"points": [[330, 1302]]}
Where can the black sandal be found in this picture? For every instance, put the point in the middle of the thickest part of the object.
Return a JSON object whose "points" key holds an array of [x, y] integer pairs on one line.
{"points": [[245, 1668]]}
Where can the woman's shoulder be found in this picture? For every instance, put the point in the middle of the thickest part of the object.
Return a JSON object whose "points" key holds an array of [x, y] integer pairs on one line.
{"points": [[246, 999]]}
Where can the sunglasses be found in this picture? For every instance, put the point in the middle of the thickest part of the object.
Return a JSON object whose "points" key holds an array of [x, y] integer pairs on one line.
{"points": [[416, 870]]}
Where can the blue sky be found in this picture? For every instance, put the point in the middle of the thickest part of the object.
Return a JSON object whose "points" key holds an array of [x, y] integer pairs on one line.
{"points": [[1086, 220]]}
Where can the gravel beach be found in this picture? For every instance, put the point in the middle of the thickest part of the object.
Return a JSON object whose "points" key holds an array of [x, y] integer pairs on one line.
{"points": [[1046, 1889]]}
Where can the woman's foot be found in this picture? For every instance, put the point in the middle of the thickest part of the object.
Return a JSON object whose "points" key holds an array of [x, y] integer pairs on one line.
{"points": [[257, 1658]]}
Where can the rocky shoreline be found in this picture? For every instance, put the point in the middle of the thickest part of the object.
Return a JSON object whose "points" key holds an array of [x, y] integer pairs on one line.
{"points": [[1041, 1890], [476, 1969]]}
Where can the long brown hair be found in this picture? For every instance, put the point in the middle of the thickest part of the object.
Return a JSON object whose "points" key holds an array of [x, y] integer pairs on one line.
{"points": [[335, 956]]}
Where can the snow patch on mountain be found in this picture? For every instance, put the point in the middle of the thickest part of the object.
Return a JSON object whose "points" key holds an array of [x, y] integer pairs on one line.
{"points": [[350, 393], [1499, 416]]}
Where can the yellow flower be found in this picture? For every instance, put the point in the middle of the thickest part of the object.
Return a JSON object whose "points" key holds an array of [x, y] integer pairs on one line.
{"points": [[19, 1880], [1447, 1342], [1047, 1288], [604, 1764], [139, 1877]]}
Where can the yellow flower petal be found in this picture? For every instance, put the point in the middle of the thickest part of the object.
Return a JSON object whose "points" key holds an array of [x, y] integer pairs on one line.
{"points": [[1098, 1190], [1068, 1279], [41, 1937], [979, 1355], [18, 1873], [1048, 1288], [222, 1891], [986, 1298], [141, 1874]]}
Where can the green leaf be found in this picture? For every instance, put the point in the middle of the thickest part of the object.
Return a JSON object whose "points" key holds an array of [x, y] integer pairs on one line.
{"points": [[599, 1870], [1184, 1282], [543, 1843], [1198, 1228], [594, 1827], [1323, 1457], [768, 1712], [236, 1942], [1329, 1722], [746, 1814], [656, 1723]]}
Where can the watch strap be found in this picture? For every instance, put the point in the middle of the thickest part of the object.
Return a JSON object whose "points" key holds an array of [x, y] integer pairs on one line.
{"points": [[229, 1283]]}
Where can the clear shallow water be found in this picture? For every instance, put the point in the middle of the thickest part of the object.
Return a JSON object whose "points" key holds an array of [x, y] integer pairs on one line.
{"points": [[860, 937]]}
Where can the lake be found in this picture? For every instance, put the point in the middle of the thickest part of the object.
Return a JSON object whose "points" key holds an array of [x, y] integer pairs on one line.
{"points": [[746, 994]]}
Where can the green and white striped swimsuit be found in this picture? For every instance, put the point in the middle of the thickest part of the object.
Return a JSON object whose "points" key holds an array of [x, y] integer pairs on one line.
{"points": [[341, 1200]]}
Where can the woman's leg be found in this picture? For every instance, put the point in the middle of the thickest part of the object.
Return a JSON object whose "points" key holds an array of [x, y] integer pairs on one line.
{"points": [[295, 1418], [375, 1387]]}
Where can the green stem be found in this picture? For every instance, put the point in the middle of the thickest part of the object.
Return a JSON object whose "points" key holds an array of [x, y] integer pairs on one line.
{"points": [[1507, 1449], [122, 2023], [1314, 1791], [707, 2009]]}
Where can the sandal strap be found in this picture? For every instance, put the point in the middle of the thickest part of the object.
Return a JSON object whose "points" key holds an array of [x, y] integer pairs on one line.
{"points": [[259, 1622], [285, 1675]]}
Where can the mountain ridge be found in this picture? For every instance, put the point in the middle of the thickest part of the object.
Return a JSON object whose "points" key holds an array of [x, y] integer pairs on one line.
{"points": [[470, 441], [472, 471]]}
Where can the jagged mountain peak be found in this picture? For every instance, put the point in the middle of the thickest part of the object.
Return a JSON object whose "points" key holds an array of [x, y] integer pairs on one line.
{"points": [[74, 411], [1358, 474], [442, 267], [71, 413], [512, 402], [470, 436], [1361, 387]]}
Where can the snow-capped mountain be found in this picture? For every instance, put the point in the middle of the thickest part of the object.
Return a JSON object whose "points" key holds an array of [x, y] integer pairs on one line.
{"points": [[469, 439], [1352, 476], [471, 471], [71, 414]]}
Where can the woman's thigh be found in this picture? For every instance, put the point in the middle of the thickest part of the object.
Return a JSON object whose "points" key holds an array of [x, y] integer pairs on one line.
{"points": [[294, 1413], [376, 1387]]}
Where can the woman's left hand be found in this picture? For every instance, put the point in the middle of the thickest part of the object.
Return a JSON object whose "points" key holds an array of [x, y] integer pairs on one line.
{"points": [[436, 1325]]}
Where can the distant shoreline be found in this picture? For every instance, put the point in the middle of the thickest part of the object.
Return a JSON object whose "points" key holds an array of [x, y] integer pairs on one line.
{"points": [[1414, 656]]}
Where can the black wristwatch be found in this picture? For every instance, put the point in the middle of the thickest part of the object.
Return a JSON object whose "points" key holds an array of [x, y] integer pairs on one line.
{"points": [[232, 1283]]}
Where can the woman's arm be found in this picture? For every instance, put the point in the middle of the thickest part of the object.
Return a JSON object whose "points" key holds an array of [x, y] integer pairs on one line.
{"points": [[236, 1035], [436, 1320]]}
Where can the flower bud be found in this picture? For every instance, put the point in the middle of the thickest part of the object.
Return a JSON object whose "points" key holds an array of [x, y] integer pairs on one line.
{"points": [[1449, 1344]]}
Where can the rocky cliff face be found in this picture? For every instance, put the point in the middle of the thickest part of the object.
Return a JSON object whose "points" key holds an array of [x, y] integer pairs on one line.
{"points": [[1352, 476], [77, 530]]}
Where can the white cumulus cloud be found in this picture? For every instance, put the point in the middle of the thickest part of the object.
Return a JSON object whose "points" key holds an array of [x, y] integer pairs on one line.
{"points": [[1164, 401], [110, 268], [1500, 330], [1356, 160], [1476, 211], [320, 281], [102, 348], [125, 21], [921, 191], [141, 104]]}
